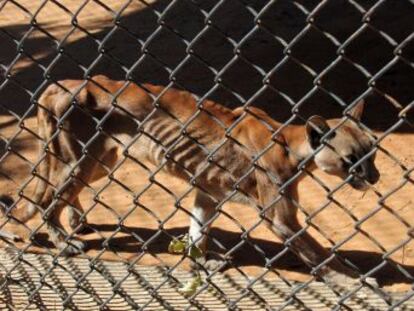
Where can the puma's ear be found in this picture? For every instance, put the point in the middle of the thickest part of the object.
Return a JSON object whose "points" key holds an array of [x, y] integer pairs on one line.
{"points": [[316, 127], [357, 110]]}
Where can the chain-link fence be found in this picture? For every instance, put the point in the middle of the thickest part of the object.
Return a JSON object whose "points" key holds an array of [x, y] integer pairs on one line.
{"points": [[125, 167]]}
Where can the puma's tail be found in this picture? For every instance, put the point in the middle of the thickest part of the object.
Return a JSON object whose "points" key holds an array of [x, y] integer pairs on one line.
{"points": [[45, 131]]}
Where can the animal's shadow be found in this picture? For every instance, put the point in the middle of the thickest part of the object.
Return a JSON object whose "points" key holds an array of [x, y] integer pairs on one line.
{"points": [[253, 252]]}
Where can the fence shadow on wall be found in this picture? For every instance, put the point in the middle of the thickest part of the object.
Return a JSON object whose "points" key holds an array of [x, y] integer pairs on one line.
{"points": [[233, 21]]}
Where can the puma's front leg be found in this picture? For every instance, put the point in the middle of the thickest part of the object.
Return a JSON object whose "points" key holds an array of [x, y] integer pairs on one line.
{"points": [[74, 214], [309, 250], [203, 211], [283, 221], [58, 234]]}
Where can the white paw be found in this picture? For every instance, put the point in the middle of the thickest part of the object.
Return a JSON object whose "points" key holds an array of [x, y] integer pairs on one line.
{"points": [[211, 264], [214, 264], [335, 278]]}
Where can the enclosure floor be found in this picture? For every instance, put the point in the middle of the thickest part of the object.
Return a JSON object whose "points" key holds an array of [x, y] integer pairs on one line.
{"points": [[388, 226], [386, 235], [81, 284]]}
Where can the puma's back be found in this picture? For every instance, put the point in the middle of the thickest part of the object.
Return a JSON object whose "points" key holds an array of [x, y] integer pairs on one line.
{"points": [[166, 127]]}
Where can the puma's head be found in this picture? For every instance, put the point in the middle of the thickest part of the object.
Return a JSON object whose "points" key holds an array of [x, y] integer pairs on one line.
{"points": [[342, 155]]}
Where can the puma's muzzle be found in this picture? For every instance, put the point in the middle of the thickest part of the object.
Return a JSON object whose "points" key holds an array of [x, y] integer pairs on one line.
{"points": [[368, 173]]}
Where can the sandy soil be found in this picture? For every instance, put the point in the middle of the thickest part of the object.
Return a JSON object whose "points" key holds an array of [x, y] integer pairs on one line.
{"points": [[383, 231], [391, 207]]}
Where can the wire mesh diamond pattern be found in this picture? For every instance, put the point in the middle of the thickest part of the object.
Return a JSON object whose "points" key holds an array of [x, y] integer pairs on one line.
{"points": [[291, 59]]}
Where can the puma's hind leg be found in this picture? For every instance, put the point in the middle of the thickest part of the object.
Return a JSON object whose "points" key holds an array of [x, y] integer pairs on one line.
{"points": [[64, 195], [101, 170], [68, 181]]}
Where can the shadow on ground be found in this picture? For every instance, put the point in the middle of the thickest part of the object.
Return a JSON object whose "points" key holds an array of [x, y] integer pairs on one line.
{"points": [[247, 255], [212, 51]]}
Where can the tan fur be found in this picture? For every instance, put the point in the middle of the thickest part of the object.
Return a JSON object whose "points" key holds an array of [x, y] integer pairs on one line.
{"points": [[150, 116]]}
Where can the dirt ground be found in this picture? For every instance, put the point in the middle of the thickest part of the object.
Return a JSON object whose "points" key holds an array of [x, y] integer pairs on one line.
{"points": [[391, 207]]}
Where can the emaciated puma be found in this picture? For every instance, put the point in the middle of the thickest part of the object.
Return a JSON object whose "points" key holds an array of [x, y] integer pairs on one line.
{"points": [[241, 154]]}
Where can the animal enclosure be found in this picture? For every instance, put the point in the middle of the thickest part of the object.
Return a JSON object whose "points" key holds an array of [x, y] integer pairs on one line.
{"points": [[292, 59]]}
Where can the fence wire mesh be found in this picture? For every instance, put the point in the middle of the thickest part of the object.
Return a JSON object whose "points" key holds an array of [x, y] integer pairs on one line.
{"points": [[293, 59]]}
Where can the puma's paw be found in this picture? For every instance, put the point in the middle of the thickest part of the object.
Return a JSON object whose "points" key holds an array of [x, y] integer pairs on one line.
{"points": [[72, 247], [335, 278], [211, 263], [342, 280], [214, 264]]}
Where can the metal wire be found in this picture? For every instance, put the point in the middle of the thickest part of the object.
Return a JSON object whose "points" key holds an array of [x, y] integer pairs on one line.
{"points": [[117, 47]]}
